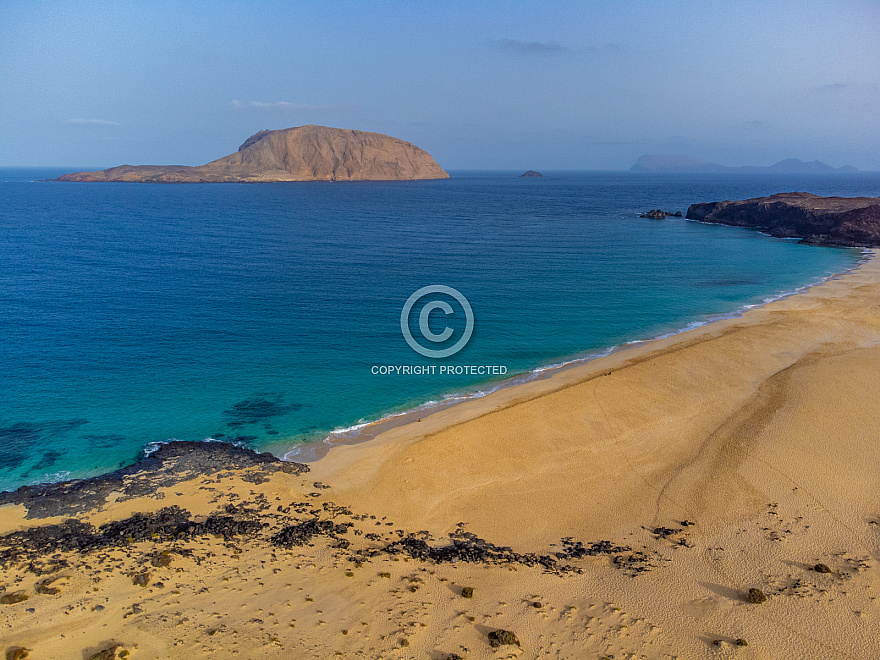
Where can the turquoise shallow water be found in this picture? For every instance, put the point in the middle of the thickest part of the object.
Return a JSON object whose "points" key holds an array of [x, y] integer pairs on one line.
{"points": [[134, 313]]}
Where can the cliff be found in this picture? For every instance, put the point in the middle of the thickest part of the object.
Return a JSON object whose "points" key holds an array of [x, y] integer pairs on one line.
{"points": [[304, 153], [676, 163], [844, 221]]}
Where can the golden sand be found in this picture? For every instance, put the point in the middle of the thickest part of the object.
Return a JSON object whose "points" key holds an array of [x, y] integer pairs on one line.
{"points": [[762, 431]]}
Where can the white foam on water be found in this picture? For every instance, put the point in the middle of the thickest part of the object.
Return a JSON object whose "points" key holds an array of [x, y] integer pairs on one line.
{"points": [[336, 436]]}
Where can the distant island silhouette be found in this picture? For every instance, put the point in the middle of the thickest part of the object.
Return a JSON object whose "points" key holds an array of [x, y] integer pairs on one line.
{"points": [[679, 163]]}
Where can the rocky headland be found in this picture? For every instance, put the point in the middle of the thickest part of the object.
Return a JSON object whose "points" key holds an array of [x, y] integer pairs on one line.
{"points": [[303, 153], [843, 221]]}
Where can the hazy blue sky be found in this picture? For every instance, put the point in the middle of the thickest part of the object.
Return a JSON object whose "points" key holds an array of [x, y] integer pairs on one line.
{"points": [[504, 84]]}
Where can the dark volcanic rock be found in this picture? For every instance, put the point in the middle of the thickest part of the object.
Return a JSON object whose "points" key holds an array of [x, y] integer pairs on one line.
{"points": [[166, 524], [115, 652], [657, 214], [502, 638], [17, 653], [302, 533], [170, 464], [843, 221], [756, 596], [13, 598], [530, 174]]}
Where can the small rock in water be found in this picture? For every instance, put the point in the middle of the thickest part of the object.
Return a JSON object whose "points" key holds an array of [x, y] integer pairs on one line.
{"points": [[502, 638], [822, 568], [756, 596], [467, 592]]}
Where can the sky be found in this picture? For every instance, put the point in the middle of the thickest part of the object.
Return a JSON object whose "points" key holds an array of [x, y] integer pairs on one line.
{"points": [[479, 85]]}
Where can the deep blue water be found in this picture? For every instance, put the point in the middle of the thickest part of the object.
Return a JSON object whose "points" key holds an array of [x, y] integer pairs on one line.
{"points": [[135, 313]]}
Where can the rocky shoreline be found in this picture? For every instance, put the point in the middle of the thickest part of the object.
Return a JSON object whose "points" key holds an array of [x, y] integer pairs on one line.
{"points": [[181, 521], [832, 221], [180, 461], [170, 464]]}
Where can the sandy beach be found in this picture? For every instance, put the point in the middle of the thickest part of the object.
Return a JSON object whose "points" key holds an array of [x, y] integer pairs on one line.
{"points": [[623, 508]]}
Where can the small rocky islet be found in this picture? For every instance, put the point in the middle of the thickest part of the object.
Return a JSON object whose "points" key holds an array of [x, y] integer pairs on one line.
{"points": [[657, 214]]}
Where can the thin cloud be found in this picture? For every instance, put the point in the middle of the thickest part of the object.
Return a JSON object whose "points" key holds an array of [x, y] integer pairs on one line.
{"points": [[80, 121], [834, 87], [517, 47], [279, 105]]}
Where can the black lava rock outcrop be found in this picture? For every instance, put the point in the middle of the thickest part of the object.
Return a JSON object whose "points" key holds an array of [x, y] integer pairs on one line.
{"points": [[842, 221], [170, 464]]}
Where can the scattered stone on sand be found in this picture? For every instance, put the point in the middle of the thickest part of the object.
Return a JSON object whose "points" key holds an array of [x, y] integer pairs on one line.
{"points": [[822, 568], [141, 579], [502, 638], [115, 652], [16, 653], [161, 560], [13, 598], [756, 596], [300, 534], [741, 642], [467, 592], [45, 587]]}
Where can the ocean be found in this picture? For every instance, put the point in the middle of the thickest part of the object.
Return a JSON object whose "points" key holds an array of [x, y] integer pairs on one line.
{"points": [[270, 314]]}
